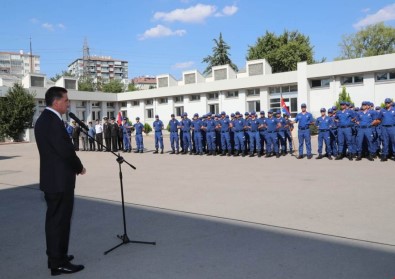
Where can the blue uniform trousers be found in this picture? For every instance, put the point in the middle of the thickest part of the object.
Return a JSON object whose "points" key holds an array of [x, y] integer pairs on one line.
{"points": [[239, 141], [388, 135], [225, 141], [158, 140], [126, 142], [262, 136], [211, 141], [174, 141], [324, 136], [186, 137], [304, 138], [333, 142], [271, 142], [255, 141], [281, 140], [198, 141], [288, 139], [139, 142], [344, 138], [365, 133]]}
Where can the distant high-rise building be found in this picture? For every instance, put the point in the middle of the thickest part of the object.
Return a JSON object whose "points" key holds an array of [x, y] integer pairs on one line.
{"points": [[101, 68], [19, 63], [145, 82]]}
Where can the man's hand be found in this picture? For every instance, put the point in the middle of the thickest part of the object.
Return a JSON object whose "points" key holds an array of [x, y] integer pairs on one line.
{"points": [[83, 171]]}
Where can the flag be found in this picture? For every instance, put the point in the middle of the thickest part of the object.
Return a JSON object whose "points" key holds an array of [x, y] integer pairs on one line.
{"points": [[284, 108], [119, 118]]}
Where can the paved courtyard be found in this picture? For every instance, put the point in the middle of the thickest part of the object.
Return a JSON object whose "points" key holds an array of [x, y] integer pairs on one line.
{"points": [[212, 217]]}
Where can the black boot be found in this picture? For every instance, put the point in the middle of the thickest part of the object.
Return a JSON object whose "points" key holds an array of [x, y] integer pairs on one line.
{"points": [[359, 158], [223, 153], [156, 151], [251, 154], [329, 157], [350, 157], [319, 157], [339, 157], [237, 153], [299, 157], [278, 155], [370, 157], [259, 154], [172, 152], [243, 154], [383, 158], [161, 152], [214, 153]]}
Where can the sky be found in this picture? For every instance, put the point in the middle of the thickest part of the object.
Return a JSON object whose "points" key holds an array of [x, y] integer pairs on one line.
{"points": [[171, 36]]}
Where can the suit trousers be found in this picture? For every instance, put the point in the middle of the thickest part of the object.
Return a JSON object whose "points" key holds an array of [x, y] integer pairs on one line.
{"points": [[57, 226]]}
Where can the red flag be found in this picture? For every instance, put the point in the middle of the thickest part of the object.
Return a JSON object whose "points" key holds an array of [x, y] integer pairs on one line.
{"points": [[284, 107], [119, 118]]}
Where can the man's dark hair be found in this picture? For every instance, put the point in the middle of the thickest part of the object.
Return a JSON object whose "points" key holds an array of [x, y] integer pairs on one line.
{"points": [[53, 93]]}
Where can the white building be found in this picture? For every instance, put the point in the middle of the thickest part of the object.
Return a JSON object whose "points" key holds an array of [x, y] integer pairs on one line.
{"points": [[19, 63], [317, 85], [144, 83], [101, 68]]}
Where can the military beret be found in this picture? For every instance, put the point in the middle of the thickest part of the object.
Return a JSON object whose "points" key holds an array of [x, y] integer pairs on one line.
{"points": [[232, 114], [246, 113], [262, 112], [196, 115], [172, 115], [387, 100], [223, 113], [237, 113], [323, 110], [137, 118], [303, 105]]}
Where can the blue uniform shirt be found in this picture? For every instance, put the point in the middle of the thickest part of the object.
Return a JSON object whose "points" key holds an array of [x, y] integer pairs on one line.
{"points": [[366, 119], [138, 128], [271, 124], [252, 125], [173, 125], [158, 124], [224, 124], [126, 128], [186, 125], [345, 117], [239, 124], [387, 117], [210, 125], [197, 124], [261, 121], [283, 122], [324, 123], [304, 120]]}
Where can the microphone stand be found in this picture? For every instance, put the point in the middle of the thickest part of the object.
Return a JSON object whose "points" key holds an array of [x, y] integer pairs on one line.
{"points": [[124, 237]]}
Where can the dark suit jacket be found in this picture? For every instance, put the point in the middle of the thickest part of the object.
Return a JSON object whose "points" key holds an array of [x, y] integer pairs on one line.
{"points": [[59, 163]]}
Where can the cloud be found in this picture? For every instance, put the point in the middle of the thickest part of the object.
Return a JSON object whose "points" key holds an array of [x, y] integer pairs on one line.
{"points": [[34, 20], [48, 26], [194, 14], [228, 11], [61, 26], [385, 14], [161, 31], [183, 65]]}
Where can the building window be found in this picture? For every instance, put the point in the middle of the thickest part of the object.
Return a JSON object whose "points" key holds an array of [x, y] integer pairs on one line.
{"points": [[70, 84], [385, 76], [124, 104], [163, 100], [352, 79], [291, 103], [179, 99], [135, 103], [149, 113], [212, 96], [179, 111], [232, 94], [41, 103], [149, 102], [110, 114], [320, 83], [283, 89], [254, 106], [110, 104], [95, 104], [81, 104], [195, 97], [214, 108], [37, 81], [253, 92]]}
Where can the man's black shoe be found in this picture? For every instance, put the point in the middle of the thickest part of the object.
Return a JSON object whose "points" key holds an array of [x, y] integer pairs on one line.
{"points": [[319, 157], [350, 157], [156, 152], [359, 158], [383, 158], [309, 156], [299, 157], [66, 268], [69, 259], [172, 152], [161, 152], [278, 155], [329, 157], [339, 157]]}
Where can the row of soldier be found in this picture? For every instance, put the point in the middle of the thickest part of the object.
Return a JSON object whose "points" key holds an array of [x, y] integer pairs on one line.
{"points": [[351, 131]]}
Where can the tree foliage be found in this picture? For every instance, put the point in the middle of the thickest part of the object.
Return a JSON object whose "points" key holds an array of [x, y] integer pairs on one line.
{"points": [[63, 74], [343, 96], [16, 112], [372, 40], [283, 52], [220, 55], [132, 86], [147, 128], [113, 86], [86, 84]]}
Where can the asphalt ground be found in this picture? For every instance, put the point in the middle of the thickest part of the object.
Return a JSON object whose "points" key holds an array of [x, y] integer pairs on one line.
{"points": [[212, 217]]}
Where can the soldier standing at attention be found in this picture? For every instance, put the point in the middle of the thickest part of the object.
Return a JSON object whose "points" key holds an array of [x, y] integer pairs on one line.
{"points": [[185, 126], [271, 125], [196, 127], [107, 134], [139, 128], [262, 131], [281, 133], [224, 127], [239, 126], [387, 117], [305, 119], [174, 125], [209, 127], [158, 127], [253, 133], [324, 124], [344, 119], [288, 133], [114, 134], [126, 134]]}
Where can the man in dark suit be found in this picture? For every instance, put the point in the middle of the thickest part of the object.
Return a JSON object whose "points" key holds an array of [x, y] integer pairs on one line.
{"points": [[59, 166]]}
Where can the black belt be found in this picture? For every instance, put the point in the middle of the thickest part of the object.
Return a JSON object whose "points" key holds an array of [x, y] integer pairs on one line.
{"points": [[387, 126], [323, 130], [364, 127], [303, 129], [271, 132], [349, 126], [224, 132], [173, 131]]}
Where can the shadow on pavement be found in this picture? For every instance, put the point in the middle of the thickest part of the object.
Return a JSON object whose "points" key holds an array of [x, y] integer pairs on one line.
{"points": [[188, 245]]}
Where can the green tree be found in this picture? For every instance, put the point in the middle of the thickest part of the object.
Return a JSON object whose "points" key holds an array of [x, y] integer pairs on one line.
{"points": [[16, 112], [283, 52], [132, 86], [343, 96], [63, 74], [220, 55], [86, 84], [376, 39], [147, 128], [113, 86]]}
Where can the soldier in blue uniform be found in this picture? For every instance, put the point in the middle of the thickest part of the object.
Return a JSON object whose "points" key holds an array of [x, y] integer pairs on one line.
{"points": [[232, 131], [262, 131], [387, 117], [126, 135], [174, 125], [333, 132], [238, 128], [246, 135], [305, 119], [209, 128], [366, 120], [271, 125], [158, 127], [253, 133], [217, 120], [196, 128], [224, 128], [288, 133], [324, 124], [344, 119], [185, 126], [281, 133], [139, 128]]}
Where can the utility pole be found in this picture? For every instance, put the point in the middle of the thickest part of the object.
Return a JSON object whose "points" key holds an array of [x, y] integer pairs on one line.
{"points": [[31, 57], [86, 58]]}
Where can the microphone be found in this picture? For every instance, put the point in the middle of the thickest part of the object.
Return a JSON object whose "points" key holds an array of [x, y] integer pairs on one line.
{"points": [[82, 124]]}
